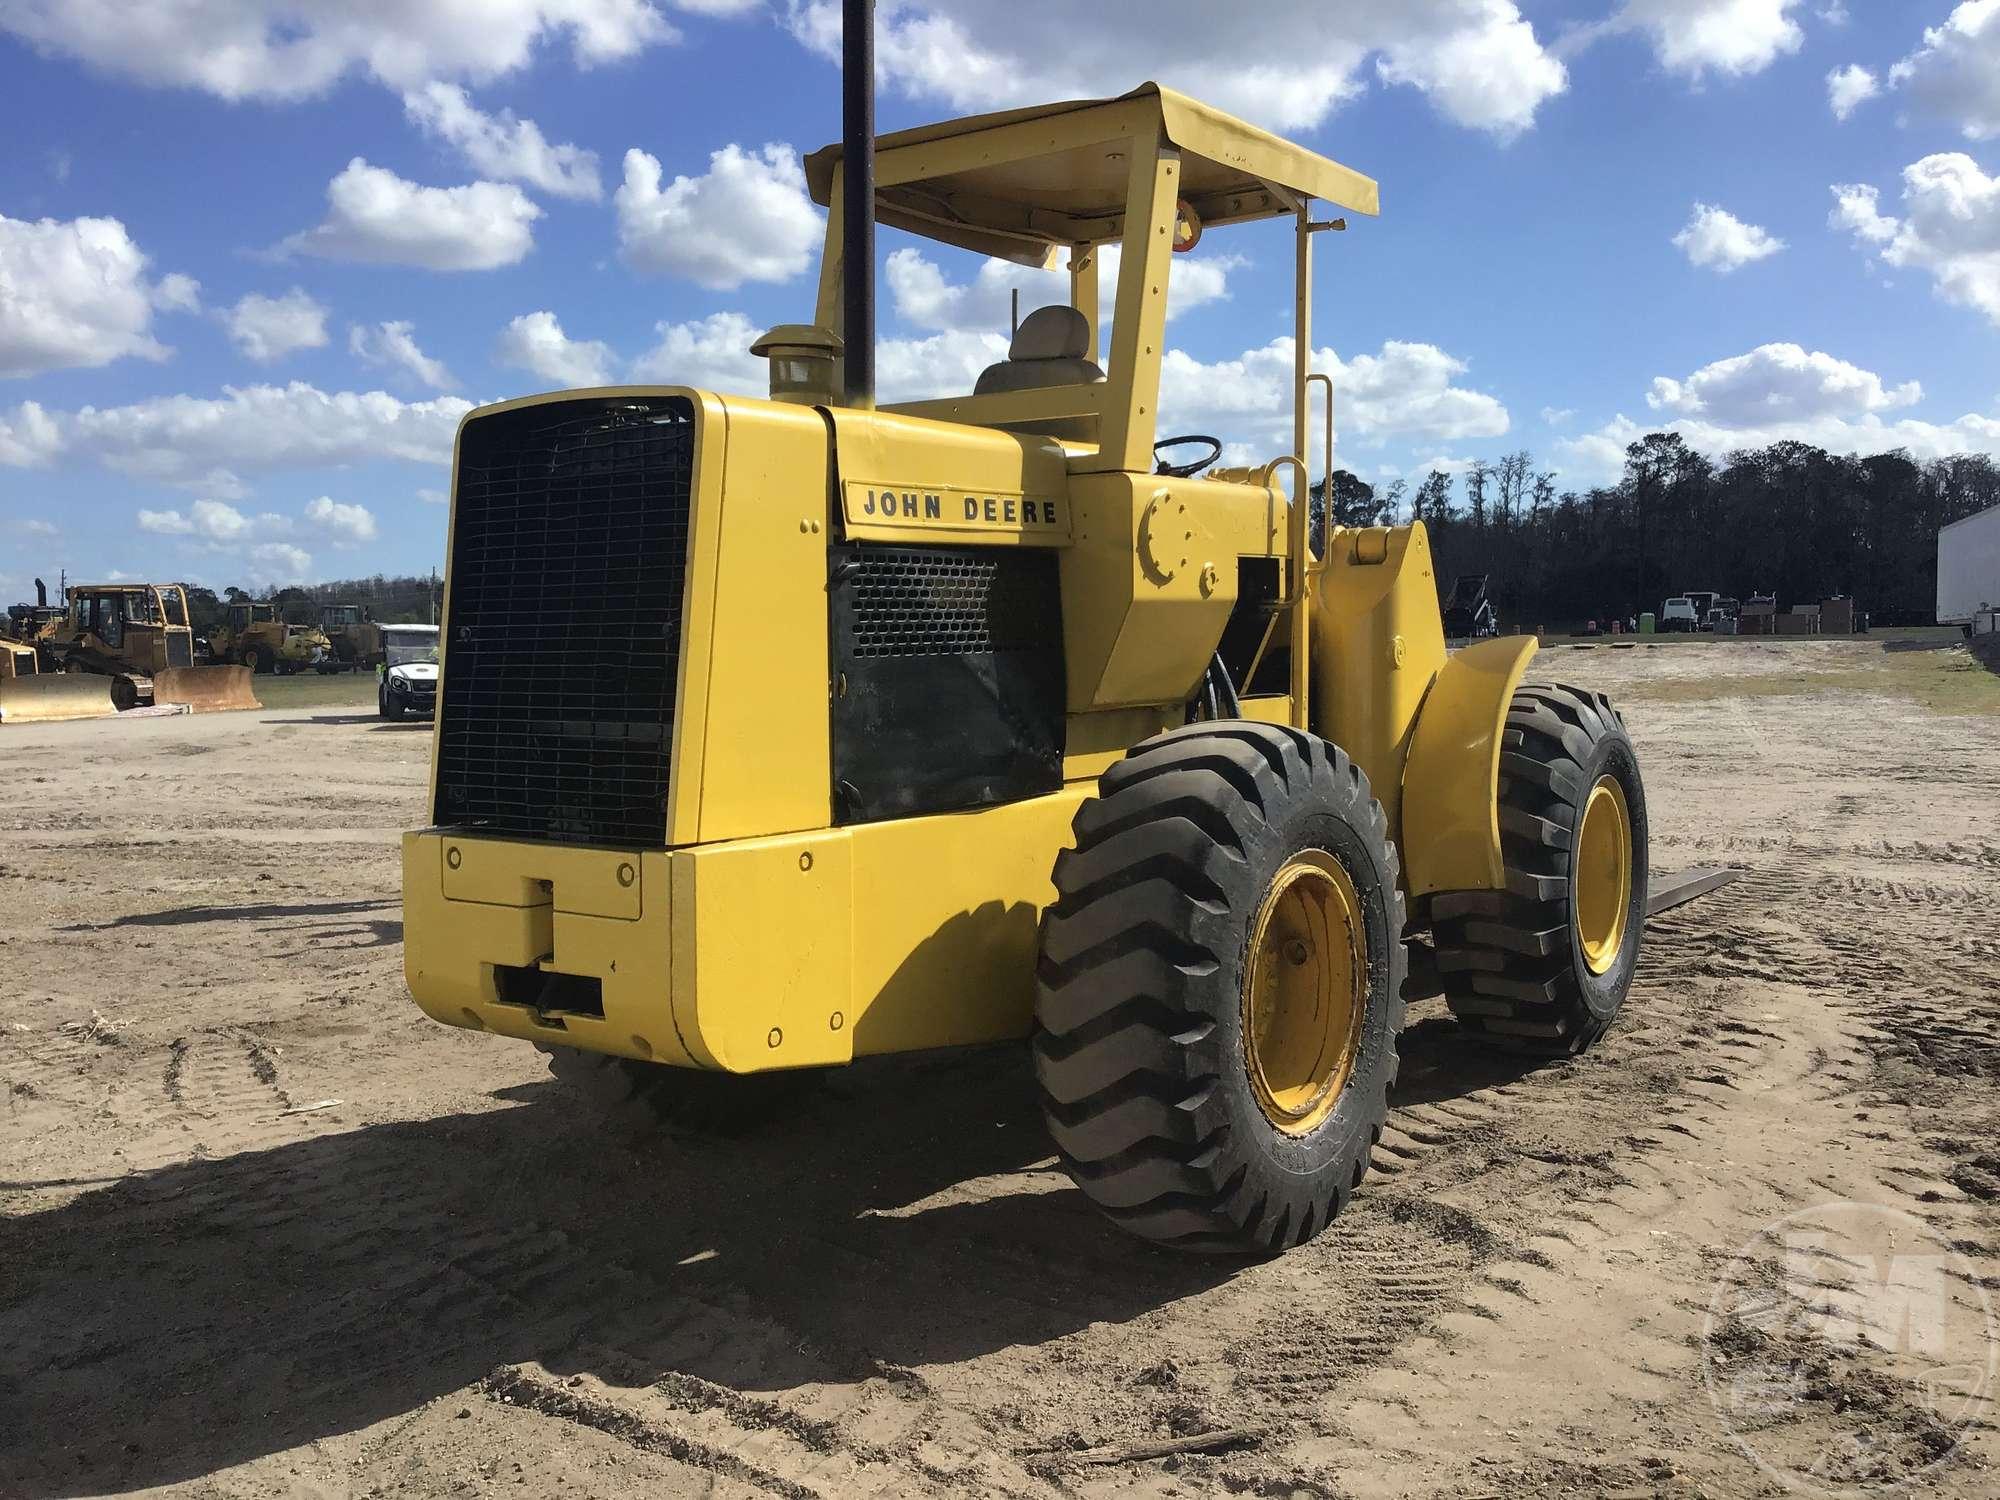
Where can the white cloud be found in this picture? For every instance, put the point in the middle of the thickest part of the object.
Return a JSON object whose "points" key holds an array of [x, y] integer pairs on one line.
{"points": [[433, 497], [1858, 209], [1776, 384], [165, 523], [1848, 88], [213, 526], [377, 218], [29, 437], [74, 295], [1558, 416], [946, 363], [212, 522], [281, 49], [536, 342], [1951, 227], [1955, 74], [177, 293], [1735, 37], [747, 219], [502, 146], [267, 328], [395, 345], [1779, 393], [32, 526], [1405, 391], [348, 525], [1717, 239], [712, 353], [206, 442], [924, 297], [1287, 64], [271, 563]]}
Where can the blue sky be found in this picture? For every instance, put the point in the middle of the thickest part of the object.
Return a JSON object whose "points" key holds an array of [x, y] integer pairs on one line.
{"points": [[435, 203]]}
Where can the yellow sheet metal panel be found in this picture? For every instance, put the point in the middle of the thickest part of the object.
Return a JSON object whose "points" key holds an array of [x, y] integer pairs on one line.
{"points": [[1451, 783], [1243, 155], [762, 949], [1094, 742], [945, 916], [939, 516], [1377, 645], [451, 945], [593, 882], [889, 452], [1273, 708], [752, 725], [1150, 580]]}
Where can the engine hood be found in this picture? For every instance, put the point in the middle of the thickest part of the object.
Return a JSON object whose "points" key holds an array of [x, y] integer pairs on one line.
{"points": [[415, 671]]}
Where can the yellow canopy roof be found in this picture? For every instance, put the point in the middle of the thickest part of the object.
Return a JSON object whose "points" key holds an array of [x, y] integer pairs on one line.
{"points": [[1015, 183]]}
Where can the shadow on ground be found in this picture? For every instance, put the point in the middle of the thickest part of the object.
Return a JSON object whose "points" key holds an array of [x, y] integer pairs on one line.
{"points": [[184, 1320], [180, 916]]}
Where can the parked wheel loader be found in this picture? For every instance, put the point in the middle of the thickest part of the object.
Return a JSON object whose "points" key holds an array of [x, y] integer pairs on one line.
{"points": [[251, 635], [136, 635], [776, 733], [354, 640]]}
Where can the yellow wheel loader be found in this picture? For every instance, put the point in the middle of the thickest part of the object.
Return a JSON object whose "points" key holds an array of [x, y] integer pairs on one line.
{"points": [[775, 733], [252, 636], [354, 640], [137, 635]]}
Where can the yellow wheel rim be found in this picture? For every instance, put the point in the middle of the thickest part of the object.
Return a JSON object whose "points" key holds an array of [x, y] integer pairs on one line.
{"points": [[1307, 991], [1602, 874]]}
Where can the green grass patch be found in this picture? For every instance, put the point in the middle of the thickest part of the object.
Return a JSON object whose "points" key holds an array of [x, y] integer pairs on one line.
{"points": [[310, 690], [1942, 681]]}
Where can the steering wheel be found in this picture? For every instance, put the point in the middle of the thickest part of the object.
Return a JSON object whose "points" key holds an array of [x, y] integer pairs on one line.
{"points": [[1192, 467]]}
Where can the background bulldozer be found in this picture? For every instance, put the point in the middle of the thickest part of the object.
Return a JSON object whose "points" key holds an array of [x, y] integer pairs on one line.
{"points": [[29, 695], [1002, 715], [137, 636], [252, 636]]}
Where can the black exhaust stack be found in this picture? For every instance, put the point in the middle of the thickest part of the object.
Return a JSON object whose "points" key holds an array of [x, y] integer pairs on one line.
{"points": [[41, 594], [857, 207]]}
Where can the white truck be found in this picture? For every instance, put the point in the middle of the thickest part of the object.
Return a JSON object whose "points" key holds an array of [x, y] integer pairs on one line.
{"points": [[1968, 573]]}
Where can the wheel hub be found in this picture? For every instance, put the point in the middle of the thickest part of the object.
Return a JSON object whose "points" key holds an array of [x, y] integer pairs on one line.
{"points": [[1305, 993], [1601, 875]]}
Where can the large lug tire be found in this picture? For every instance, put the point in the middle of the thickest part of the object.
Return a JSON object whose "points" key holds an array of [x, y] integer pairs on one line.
{"points": [[1544, 966], [1220, 987], [254, 660], [639, 1097]]}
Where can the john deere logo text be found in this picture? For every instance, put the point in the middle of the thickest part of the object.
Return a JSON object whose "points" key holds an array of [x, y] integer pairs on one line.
{"points": [[955, 510]]}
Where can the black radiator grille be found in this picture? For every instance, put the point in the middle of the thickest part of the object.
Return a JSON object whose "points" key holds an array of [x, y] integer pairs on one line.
{"points": [[180, 649], [913, 602], [949, 678], [569, 556]]}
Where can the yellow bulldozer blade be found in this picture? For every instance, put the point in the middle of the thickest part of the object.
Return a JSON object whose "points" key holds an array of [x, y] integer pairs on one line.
{"points": [[51, 696], [205, 690]]}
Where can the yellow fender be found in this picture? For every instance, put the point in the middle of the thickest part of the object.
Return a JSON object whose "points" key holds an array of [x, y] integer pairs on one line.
{"points": [[1451, 780]]}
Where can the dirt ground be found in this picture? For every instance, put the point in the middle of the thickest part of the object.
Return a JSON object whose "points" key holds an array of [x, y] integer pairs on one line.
{"points": [[264, 1229]]}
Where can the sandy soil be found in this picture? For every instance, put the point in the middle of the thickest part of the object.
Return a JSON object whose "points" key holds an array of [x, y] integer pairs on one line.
{"points": [[452, 1281]]}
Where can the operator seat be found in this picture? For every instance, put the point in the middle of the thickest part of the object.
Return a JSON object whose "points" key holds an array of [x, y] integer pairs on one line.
{"points": [[1051, 347]]}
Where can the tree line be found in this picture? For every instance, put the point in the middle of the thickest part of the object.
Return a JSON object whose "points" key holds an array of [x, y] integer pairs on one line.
{"points": [[1790, 520]]}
